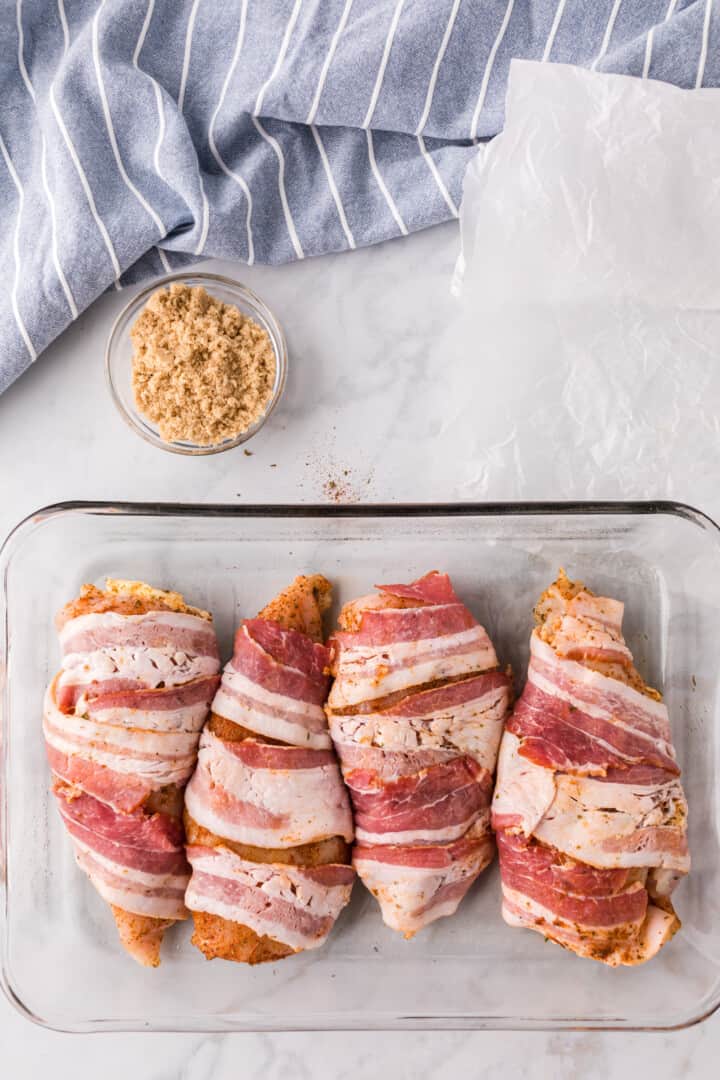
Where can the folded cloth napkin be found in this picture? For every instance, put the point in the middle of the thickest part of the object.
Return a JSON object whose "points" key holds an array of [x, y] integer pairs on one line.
{"points": [[138, 135]]}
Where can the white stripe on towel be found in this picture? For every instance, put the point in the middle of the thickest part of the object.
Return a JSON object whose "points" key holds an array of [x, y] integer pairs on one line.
{"points": [[200, 246], [280, 57], [21, 48], [211, 134], [651, 40], [648, 52], [53, 226], [328, 61], [333, 187], [553, 30], [488, 69], [381, 184], [164, 260], [65, 28], [143, 34], [74, 157], [156, 88], [437, 177], [43, 168], [186, 55], [383, 63], [156, 157], [161, 130], [607, 35], [272, 141], [85, 185], [161, 114], [436, 70], [705, 42], [111, 131], [16, 251]]}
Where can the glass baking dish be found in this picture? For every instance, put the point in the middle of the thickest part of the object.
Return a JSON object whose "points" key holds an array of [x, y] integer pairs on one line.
{"points": [[61, 962]]}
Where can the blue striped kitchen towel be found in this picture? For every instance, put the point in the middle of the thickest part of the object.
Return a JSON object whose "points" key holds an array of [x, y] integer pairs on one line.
{"points": [[138, 135]]}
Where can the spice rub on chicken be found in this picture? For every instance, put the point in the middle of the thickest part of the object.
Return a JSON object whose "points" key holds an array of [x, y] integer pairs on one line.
{"points": [[585, 627], [589, 811], [416, 713], [122, 720], [267, 816]]}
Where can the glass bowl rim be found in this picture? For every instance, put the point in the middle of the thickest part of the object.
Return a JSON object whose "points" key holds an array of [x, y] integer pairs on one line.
{"points": [[275, 333]]}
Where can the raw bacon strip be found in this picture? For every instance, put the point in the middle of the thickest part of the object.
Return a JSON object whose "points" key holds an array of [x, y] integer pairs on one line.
{"points": [[275, 716], [160, 896], [566, 723], [573, 891], [418, 759], [120, 791], [259, 755], [295, 905], [633, 943], [590, 628], [393, 647], [462, 717], [108, 651], [597, 694], [428, 728], [291, 650], [156, 757], [269, 824], [171, 708], [524, 792], [417, 885], [273, 671], [121, 668], [368, 672], [558, 735], [600, 642], [604, 915], [135, 861], [121, 722], [149, 842], [433, 588], [390, 626], [388, 765], [123, 762], [456, 705], [590, 815], [628, 820], [437, 804], [267, 796], [608, 825], [75, 697], [154, 629], [275, 685]]}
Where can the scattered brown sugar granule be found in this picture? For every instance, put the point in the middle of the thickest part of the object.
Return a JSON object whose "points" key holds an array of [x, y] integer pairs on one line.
{"points": [[339, 487], [202, 371]]}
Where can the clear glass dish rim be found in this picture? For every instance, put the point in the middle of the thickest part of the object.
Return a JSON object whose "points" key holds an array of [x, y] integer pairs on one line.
{"points": [[400, 1022], [277, 338]]}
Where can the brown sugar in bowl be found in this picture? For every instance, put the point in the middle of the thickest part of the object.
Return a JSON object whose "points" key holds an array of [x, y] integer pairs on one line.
{"points": [[196, 363]]}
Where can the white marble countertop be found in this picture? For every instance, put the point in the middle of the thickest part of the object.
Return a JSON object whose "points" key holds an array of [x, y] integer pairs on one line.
{"points": [[362, 411]]}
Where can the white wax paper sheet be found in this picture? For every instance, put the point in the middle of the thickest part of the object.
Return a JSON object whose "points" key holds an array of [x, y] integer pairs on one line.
{"points": [[587, 351]]}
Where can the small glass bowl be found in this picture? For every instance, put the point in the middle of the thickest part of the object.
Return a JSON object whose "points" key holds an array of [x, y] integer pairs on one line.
{"points": [[119, 354]]}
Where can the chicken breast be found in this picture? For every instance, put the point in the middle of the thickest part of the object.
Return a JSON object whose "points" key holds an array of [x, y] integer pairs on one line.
{"points": [[299, 608]]}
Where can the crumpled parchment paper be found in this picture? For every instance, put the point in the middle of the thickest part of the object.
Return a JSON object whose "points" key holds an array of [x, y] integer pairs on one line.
{"points": [[588, 343]]}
